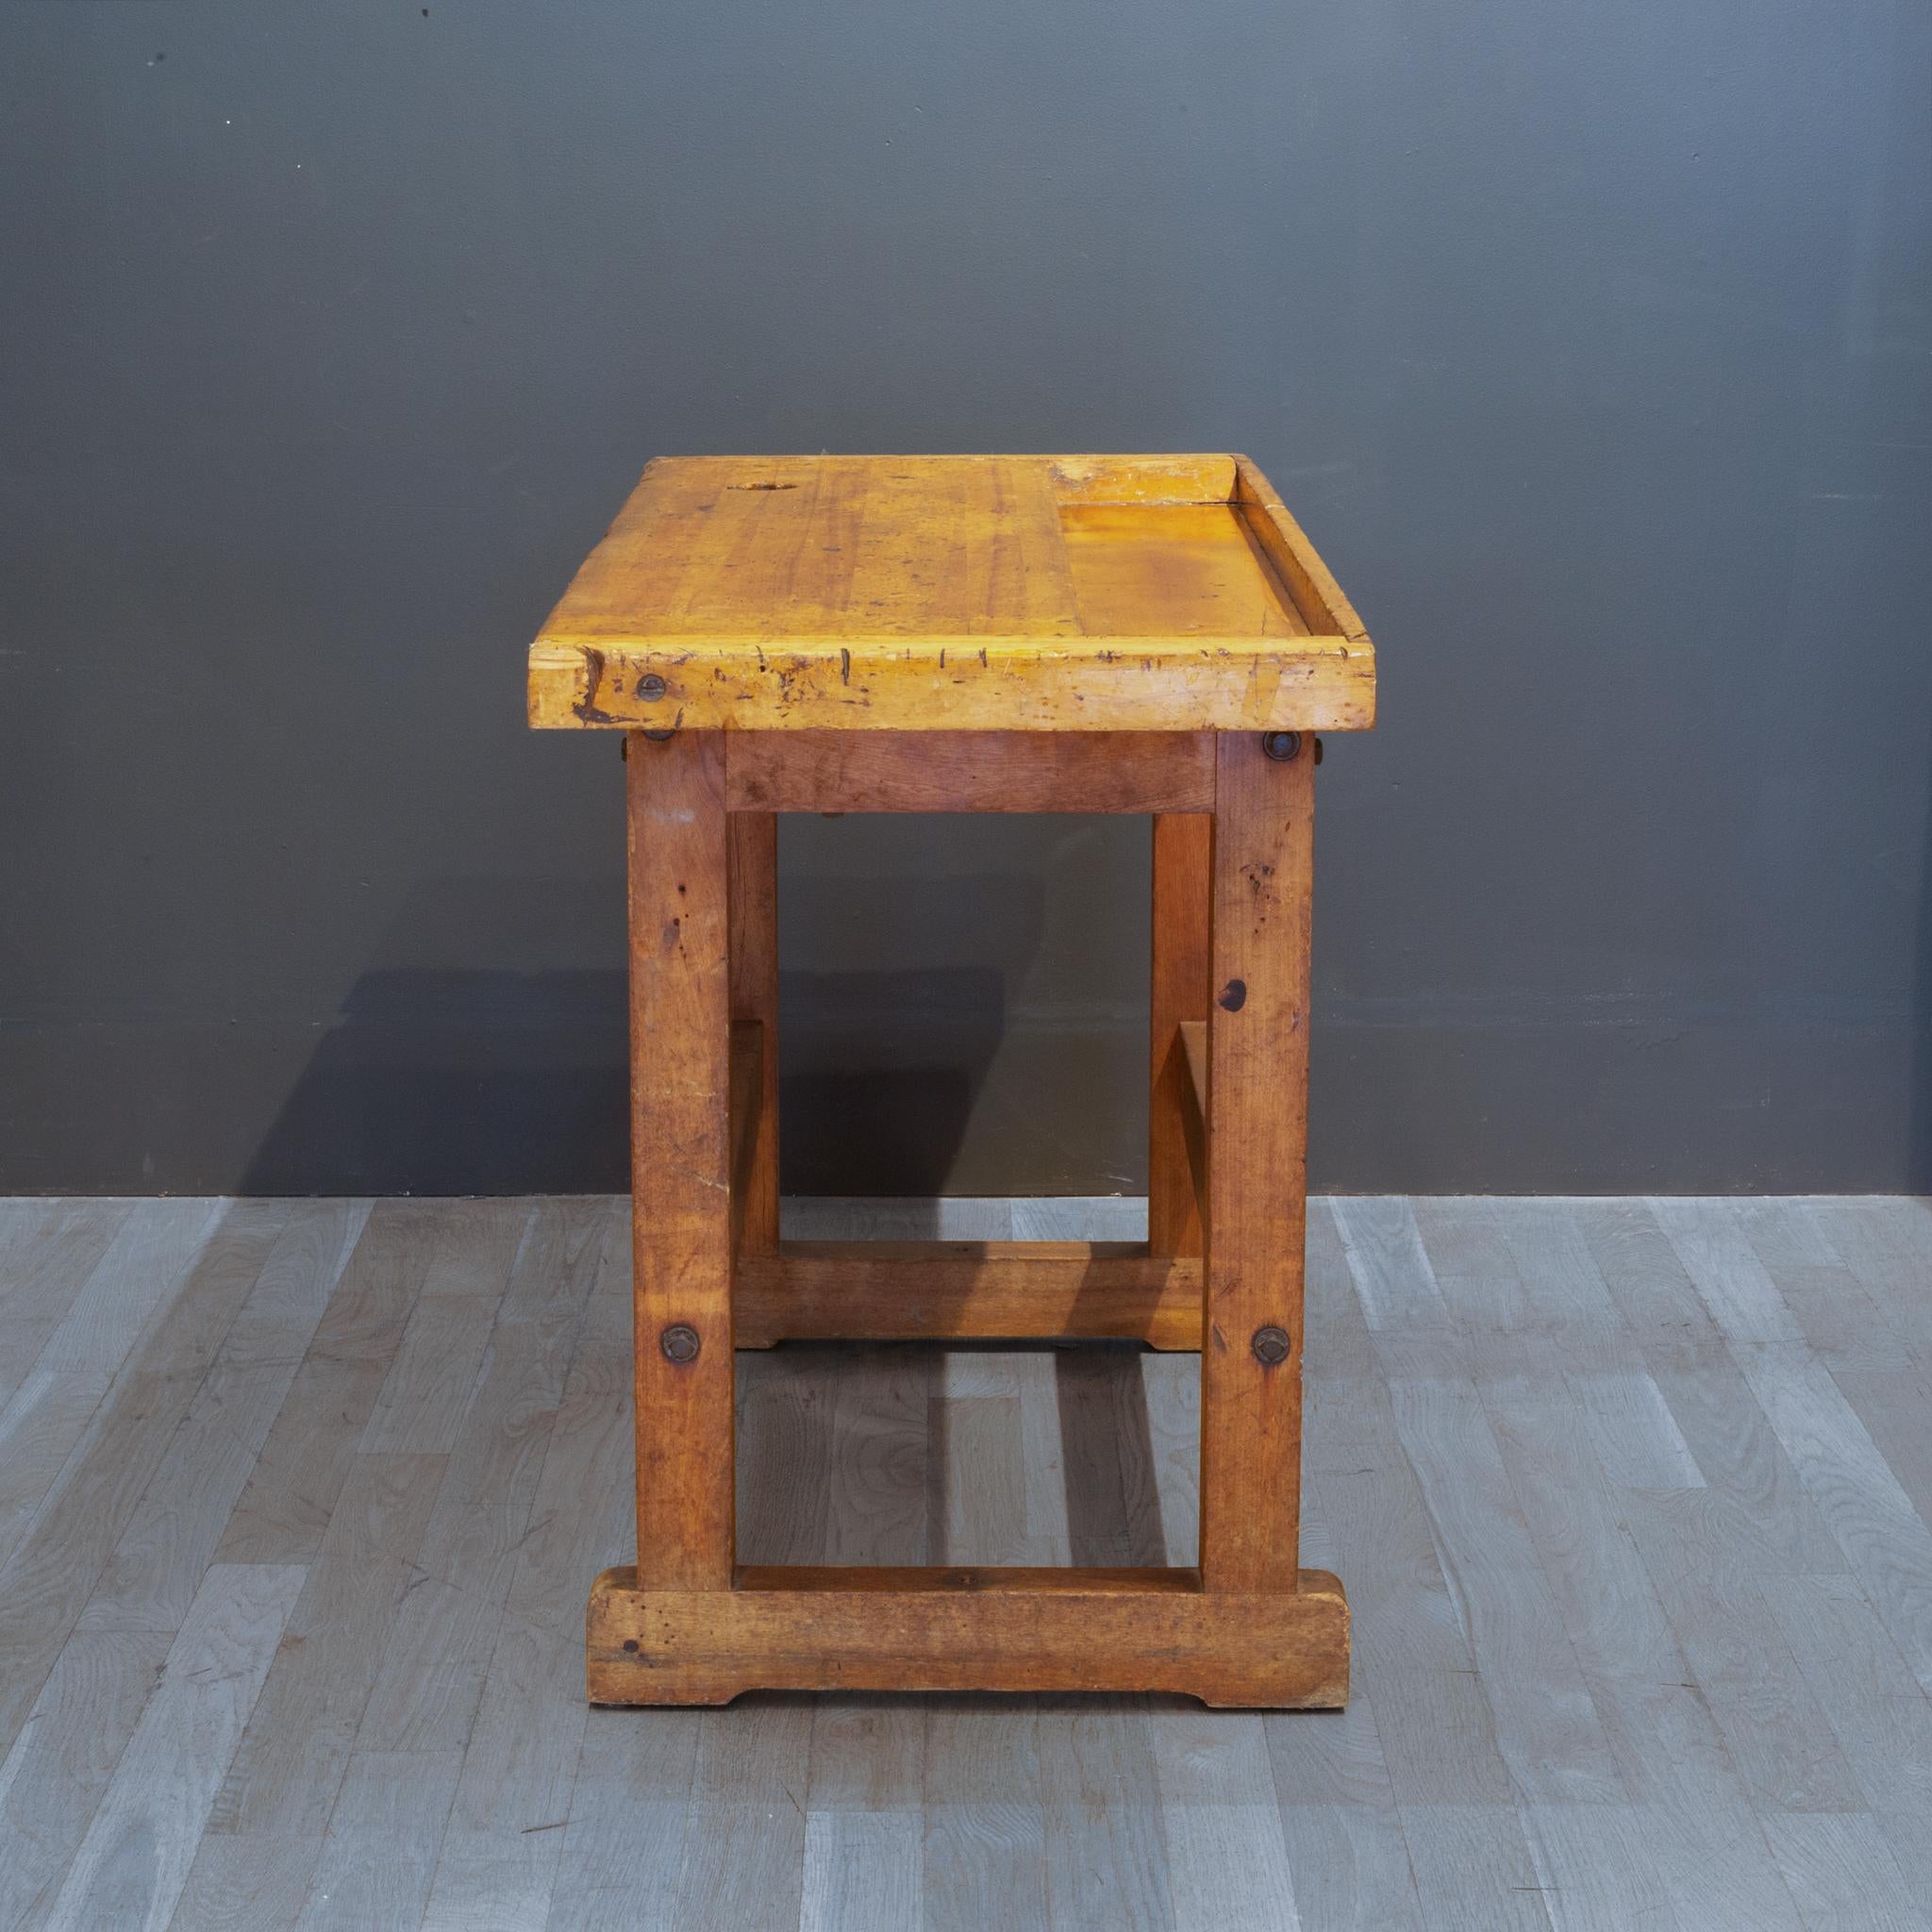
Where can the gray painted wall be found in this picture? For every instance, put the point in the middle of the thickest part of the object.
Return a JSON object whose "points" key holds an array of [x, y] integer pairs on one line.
{"points": [[1589, 343]]}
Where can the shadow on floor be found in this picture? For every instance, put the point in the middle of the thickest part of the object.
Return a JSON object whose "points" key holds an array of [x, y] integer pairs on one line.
{"points": [[815, 1487]]}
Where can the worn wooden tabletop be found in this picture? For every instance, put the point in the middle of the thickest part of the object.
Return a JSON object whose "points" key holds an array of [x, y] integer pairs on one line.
{"points": [[980, 592]]}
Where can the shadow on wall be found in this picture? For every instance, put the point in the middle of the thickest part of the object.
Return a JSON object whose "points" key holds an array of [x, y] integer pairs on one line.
{"points": [[1919, 1152], [925, 1048], [438, 1081], [880, 1073], [964, 1005]]}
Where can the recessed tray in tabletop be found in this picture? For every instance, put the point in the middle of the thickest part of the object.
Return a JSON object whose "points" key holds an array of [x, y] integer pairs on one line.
{"points": [[994, 593]]}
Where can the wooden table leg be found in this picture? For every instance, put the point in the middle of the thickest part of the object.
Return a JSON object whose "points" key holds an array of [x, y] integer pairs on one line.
{"points": [[1178, 995], [755, 997], [1258, 1034], [1245, 1627], [680, 1021]]}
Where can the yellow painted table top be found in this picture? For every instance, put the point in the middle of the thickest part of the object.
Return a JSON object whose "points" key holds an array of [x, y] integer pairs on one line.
{"points": [[989, 593]]}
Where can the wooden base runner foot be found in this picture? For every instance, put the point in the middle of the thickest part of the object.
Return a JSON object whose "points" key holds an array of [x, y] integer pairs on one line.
{"points": [[969, 1629]]}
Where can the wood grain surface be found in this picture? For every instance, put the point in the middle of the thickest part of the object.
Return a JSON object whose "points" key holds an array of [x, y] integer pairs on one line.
{"points": [[970, 771], [1258, 1102], [754, 968], [681, 1033], [1178, 995], [791, 1629], [983, 593], [932, 1291]]}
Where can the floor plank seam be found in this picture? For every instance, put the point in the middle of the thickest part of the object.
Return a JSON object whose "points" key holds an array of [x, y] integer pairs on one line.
{"points": [[1632, 1498]]}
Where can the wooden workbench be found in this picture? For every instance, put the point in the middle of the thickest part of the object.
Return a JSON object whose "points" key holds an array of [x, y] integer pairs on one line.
{"points": [[1121, 634]]}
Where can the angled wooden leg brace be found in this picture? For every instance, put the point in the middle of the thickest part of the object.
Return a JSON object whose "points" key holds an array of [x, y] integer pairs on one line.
{"points": [[1221, 1271]]}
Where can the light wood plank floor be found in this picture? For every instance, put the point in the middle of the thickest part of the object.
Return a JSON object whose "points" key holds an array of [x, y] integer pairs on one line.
{"points": [[299, 1503]]}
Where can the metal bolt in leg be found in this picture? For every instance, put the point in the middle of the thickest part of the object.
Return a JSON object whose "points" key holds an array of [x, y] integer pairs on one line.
{"points": [[1271, 1346]]}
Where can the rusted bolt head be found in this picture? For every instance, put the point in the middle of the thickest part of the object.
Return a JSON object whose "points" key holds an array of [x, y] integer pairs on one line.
{"points": [[680, 1343], [1270, 1344], [660, 736], [650, 685], [1282, 746]]}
